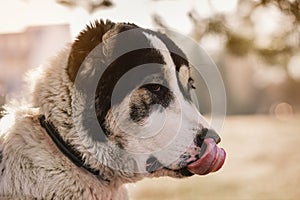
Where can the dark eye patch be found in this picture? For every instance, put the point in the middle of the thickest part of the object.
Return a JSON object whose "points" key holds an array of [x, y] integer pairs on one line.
{"points": [[154, 88], [159, 94], [146, 97]]}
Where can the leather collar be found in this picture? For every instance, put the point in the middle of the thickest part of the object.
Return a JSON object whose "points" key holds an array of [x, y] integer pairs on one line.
{"points": [[70, 152]]}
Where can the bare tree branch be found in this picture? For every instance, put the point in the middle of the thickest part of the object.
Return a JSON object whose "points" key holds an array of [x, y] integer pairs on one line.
{"points": [[90, 5]]}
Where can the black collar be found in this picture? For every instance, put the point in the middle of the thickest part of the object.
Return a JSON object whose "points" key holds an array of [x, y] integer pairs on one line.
{"points": [[66, 148]]}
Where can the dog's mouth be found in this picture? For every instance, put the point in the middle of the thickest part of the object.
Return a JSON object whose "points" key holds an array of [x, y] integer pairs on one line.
{"points": [[211, 158]]}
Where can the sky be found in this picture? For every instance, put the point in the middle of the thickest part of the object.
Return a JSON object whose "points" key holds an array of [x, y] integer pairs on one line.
{"points": [[16, 15]]}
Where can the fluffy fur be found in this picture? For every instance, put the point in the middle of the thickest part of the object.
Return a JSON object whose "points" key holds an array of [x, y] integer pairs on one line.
{"points": [[32, 166]]}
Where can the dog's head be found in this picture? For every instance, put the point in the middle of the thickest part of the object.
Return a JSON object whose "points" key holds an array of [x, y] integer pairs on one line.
{"points": [[142, 100]]}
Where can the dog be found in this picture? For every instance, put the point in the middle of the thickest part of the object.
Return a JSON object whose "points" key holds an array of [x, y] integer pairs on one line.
{"points": [[111, 108]]}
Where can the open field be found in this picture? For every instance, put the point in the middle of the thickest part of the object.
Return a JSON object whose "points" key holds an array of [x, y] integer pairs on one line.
{"points": [[263, 162]]}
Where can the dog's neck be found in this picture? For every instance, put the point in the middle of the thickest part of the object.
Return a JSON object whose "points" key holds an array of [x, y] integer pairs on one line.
{"points": [[71, 153]]}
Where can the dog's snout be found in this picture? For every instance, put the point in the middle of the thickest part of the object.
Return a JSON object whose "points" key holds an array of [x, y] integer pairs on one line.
{"points": [[206, 133], [211, 133]]}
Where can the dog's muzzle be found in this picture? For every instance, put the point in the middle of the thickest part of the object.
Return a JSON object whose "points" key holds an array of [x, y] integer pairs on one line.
{"points": [[201, 158], [210, 158]]}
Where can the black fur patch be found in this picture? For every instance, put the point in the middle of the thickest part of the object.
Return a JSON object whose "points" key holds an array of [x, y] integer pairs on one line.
{"points": [[159, 94], [116, 70]]}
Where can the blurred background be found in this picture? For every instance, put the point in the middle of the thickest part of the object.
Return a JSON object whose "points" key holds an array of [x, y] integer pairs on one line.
{"points": [[256, 46]]}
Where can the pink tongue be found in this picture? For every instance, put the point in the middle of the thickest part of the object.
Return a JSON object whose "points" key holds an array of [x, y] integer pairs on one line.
{"points": [[211, 161]]}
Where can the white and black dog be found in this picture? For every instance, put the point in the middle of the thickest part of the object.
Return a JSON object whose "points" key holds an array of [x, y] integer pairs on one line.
{"points": [[110, 109]]}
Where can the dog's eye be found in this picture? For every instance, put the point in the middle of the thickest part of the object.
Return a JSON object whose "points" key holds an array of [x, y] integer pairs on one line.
{"points": [[154, 88]]}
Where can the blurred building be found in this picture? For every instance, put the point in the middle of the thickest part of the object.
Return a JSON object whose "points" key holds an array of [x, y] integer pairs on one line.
{"points": [[22, 51]]}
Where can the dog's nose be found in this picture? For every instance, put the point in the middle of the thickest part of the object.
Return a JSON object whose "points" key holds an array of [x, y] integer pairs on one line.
{"points": [[211, 133], [206, 133], [200, 137]]}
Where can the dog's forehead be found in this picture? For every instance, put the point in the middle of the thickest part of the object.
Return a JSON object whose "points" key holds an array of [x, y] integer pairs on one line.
{"points": [[161, 49], [146, 38], [177, 70], [167, 48]]}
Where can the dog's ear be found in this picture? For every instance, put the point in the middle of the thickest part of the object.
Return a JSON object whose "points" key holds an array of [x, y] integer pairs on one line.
{"points": [[89, 38], [85, 42]]}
